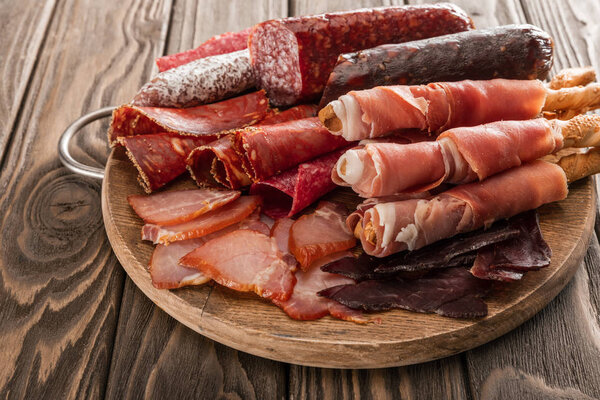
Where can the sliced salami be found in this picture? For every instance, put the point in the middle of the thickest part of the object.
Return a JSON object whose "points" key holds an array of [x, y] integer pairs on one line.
{"points": [[201, 81], [221, 44], [292, 57], [160, 157], [210, 119], [292, 191]]}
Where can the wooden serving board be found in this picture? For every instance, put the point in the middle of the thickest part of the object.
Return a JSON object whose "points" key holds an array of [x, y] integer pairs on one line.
{"points": [[248, 323]]}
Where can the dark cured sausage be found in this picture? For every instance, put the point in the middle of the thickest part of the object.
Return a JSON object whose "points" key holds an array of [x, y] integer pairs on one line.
{"points": [[292, 57], [511, 52]]}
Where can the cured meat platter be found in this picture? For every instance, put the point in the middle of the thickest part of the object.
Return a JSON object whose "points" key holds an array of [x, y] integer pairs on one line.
{"points": [[250, 324]]}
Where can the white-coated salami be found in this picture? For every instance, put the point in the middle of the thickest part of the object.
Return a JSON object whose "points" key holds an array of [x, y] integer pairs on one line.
{"points": [[198, 82]]}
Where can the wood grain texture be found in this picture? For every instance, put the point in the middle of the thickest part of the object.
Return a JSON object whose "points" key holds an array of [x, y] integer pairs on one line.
{"points": [[23, 26], [151, 348], [60, 284]]}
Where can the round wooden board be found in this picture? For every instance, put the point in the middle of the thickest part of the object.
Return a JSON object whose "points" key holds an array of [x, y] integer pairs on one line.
{"points": [[248, 323]]}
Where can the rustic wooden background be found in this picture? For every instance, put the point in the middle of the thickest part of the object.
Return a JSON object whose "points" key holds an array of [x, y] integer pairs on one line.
{"points": [[72, 325]]}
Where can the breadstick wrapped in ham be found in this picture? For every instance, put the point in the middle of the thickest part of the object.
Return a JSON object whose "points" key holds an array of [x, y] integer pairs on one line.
{"points": [[459, 155], [388, 228], [437, 107]]}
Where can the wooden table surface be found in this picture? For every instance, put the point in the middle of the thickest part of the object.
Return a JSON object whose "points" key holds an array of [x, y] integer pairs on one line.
{"points": [[73, 325]]}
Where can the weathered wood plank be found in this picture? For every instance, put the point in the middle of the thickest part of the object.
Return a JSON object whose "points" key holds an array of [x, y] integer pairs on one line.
{"points": [[60, 285], [556, 355], [23, 25], [151, 348], [157, 357]]}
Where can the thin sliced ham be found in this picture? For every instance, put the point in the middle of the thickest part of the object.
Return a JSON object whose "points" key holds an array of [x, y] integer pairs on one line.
{"points": [[175, 207], [387, 228], [245, 260], [165, 271], [314, 236], [434, 107], [204, 224], [290, 192], [304, 303]]}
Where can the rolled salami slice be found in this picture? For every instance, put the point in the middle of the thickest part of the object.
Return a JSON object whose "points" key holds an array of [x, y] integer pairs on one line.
{"points": [[219, 162], [221, 44], [198, 82], [292, 57], [293, 190], [268, 150], [160, 157], [511, 52], [210, 119], [434, 107], [388, 228]]}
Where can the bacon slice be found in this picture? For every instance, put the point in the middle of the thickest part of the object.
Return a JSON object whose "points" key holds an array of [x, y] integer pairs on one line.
{"points": [[281, 232], [411, 224], [177, 206], [293, 190], [206, 120], [203, 225], [220, 163], [435, 107], [268, 150], [221, 44], [165, 271], [246, 261], [314, 236], [451, 292], [160, 157]]}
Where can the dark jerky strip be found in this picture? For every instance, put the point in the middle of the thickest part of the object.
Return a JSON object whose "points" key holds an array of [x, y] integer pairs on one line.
{"points": [[160, 157], [510, 259], [219, 163], [292, 191], [451, 292], [511, 52], [268, 150], [438, 254], [292, 57], [208, 119]]}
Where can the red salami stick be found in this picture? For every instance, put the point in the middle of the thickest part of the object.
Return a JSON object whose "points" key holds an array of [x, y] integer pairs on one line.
{"points": [[292, 57], [210, 119], [221, 44], [292, 191]]}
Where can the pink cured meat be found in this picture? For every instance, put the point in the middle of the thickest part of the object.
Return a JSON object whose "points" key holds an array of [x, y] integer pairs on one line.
{"points": [[221, 44], [271, 149], [175, 207], [412, 224], [439, 106], [245, 260], [293, 190], [165, 271], [160, 157], [220, 163], [207, 120], [204, 224], [459, 155], [317, 235], [292, 57]]}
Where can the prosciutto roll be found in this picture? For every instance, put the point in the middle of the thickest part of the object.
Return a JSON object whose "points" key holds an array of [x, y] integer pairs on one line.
{"points": [[388, 228], [434, 107], [459, 155]]}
